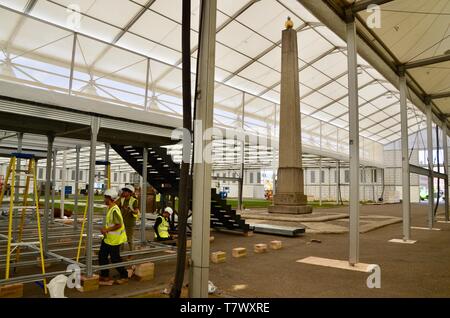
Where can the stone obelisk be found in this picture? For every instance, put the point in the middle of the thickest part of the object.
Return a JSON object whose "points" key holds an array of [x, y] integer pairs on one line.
{"points": [[289, 196]]}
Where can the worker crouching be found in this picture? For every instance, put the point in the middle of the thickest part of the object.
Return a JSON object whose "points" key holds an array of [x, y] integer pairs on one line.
{"points": [[162, 226], [114, 236]]}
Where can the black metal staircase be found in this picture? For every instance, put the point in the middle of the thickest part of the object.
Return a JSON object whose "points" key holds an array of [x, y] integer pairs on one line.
{"points": [[164, 176]]}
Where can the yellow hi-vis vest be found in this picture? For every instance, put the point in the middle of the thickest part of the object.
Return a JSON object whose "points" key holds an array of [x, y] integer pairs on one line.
{"points": [[158, 197], [116, 237], [163, 228], [130, 205]]}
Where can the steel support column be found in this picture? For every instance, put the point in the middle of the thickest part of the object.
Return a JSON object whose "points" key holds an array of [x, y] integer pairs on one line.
{"points": [[147, 83], [90, 228], [52, 215], [106, 178], [363, 181], [107, 167], [202, 170], [329, 184], [352, 59], [144, 194], [406, 197], [445, 150], [48, 176], [242, 156], [63, 185], [274, 162], [429, 115], [77, 187], [338, 180], [17, 186], [72, 64], [320, 181]]}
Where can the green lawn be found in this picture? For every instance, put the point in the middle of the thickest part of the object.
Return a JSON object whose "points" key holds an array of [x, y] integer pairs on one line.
{"points": [[260, 203], [70, 207], [81, 208]]}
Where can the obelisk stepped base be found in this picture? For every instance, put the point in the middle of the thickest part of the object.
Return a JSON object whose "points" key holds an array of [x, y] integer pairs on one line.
{"points": [[289, 209], [287, 200]]}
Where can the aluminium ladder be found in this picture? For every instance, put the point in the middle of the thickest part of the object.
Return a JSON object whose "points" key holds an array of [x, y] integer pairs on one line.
{"points": [[14, 245]]}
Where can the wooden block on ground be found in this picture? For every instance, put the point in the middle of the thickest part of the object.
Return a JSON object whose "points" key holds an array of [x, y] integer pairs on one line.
{"points": [[211, 239], [89, 283], [184, 292], [130, 272], [276, 245], [11, 291], [145, 272], [218, 257], [239, 252], [248, 234], [260, 248]]}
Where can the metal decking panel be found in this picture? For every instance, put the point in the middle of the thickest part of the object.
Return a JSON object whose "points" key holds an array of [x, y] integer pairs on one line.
{"points": [[135, 127], [26, 109], [278, 230]]}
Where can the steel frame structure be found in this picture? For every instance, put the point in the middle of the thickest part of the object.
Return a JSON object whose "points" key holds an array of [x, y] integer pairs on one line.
{"points": [[252, 60]]}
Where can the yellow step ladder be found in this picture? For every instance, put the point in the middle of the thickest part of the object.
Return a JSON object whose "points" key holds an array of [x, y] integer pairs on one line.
{"points": [[15, 246]]}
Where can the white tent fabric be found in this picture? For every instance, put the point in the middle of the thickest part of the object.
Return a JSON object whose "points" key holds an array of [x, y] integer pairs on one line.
{"points": [[415, 31], [127, 50]]}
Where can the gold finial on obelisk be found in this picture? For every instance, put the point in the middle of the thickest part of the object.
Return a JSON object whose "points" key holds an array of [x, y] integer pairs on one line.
{"points": [[289, 24]]}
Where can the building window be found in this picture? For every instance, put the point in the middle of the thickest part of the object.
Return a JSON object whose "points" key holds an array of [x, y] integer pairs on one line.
{"points": [[375, 176], [60, 174], [347, 176], [41, 173], [251, 177], [80, 177], [73, 175], [313, 176], [115, 176], [258, 177], [322, 177], [124, 178]]}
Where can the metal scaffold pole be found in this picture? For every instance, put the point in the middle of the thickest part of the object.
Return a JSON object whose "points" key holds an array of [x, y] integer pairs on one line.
{"points": [[55, 154], [144, 194], [48, 172], [63, 185], [242, 159], [77, 187], [445, 150], [354, 138], [201, 207], [90, 216], [17, 184], [406, 200], [429, 115]]}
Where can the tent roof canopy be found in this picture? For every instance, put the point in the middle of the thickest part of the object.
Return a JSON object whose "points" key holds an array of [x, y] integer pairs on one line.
{"points": [[414, 36], [128, 52]]}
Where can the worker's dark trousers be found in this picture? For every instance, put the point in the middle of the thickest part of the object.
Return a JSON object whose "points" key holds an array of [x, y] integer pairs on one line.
{"points": [[130, 223], [113, 251]]}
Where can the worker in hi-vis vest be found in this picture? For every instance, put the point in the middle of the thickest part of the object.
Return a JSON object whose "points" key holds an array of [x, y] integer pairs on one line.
{"points": [[158, 202], [113, 237], [129, 207], [162, 225]]}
